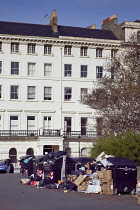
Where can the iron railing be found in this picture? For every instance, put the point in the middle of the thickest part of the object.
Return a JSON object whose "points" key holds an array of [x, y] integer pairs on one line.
{"points": [[47, 133]]}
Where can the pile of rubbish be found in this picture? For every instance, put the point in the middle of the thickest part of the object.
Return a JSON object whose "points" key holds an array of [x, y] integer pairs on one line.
{"points": [[105, 174]]}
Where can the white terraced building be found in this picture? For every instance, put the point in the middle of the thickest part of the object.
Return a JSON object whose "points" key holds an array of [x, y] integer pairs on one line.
{"points": [[44, 72]]}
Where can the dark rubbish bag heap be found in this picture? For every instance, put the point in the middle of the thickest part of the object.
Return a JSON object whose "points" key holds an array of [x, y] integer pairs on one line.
{"points": [[105, 174]]}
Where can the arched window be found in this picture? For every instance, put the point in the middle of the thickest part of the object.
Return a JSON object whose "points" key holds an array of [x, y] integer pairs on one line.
{"points": [[13, 155], [68, 151], [30, 151], [84, 152]]}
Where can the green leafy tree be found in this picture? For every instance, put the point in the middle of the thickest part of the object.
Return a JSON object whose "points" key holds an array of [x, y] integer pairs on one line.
{"points": [[127, 146]]}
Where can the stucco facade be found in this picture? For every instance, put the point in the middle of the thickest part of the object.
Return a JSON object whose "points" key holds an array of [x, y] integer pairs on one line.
{"points": [[42, 80]]}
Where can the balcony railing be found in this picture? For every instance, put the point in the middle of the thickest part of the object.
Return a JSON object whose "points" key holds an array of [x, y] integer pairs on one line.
{"points": [[47, 133], [18, 133], [76, 134]]}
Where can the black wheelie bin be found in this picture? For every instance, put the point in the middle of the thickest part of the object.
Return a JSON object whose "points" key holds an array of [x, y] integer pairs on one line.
{"points": [[124, 174]]}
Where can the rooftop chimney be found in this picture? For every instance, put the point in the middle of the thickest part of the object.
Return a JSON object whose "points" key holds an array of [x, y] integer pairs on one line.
{"points": [[53, 21], [110, 23], [92, 26]]}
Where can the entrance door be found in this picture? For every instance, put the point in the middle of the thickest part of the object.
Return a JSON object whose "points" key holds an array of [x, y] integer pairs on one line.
{"points": [[47, 149]]}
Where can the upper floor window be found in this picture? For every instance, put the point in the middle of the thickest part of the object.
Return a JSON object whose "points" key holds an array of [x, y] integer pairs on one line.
{"points": [[83, 71], [84, 92], [47, 69], [99, 71], [15, 68], [0, 67], [31, 92], [0, 46], [13, 122], [113, 53], [31, 68], [47, 123], [30, 123], [47, 93], [67, 70], [83, 51], [99, 52], [47, 49], [14, 93], [0, 91], [14, 47], [31, 48], [0, 122], [67, 93], [67, 50]]}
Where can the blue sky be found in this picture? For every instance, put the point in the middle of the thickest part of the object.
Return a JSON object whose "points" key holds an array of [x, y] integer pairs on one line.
{"points": [[80, 13]]}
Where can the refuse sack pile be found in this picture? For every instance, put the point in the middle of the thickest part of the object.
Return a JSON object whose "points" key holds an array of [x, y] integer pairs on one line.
{"points": [[105, 174]]}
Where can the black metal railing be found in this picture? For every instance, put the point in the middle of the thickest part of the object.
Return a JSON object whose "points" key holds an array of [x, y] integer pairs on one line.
{"points": [[47, 133], [50, 132], [89, 134], [18, 133]]}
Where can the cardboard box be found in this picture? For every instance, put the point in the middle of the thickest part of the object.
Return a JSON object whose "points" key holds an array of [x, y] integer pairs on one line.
{"points": [[88, 171], [107, 188], [81, 178], [82, 187], [106, 175]]}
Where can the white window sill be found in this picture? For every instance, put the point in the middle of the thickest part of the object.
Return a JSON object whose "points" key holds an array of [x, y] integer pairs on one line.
{"points": [[48, 101], [48, 55], [35, 54], [17, 53], [68, 55], [68, 102], [31, 100], [84, 57]]}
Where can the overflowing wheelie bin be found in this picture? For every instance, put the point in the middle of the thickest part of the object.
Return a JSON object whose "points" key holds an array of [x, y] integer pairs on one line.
{"points": [[124, 174], [26, 165]]}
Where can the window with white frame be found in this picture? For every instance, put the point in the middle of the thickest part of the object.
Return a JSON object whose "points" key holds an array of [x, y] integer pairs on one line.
{"points": [[31, 48], [67, 93], [15, 68], [83, 51], [13, 122], [84, 69], [99, 71], [0, 122], [67, 70], [30, 123], [113, 53], [47, 69], [0, 67], [14, 93], [0, 46], [67, 50], [31, 92], [99, 52], [67, 124], [83, 125], [84, 92], [31, 69], [0, 91], [47, 49], [47, 124], [14, 47], [47, 93]]}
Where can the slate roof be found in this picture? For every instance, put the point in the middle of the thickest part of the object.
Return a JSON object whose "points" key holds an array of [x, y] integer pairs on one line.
{"points": [[27, 29]]}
